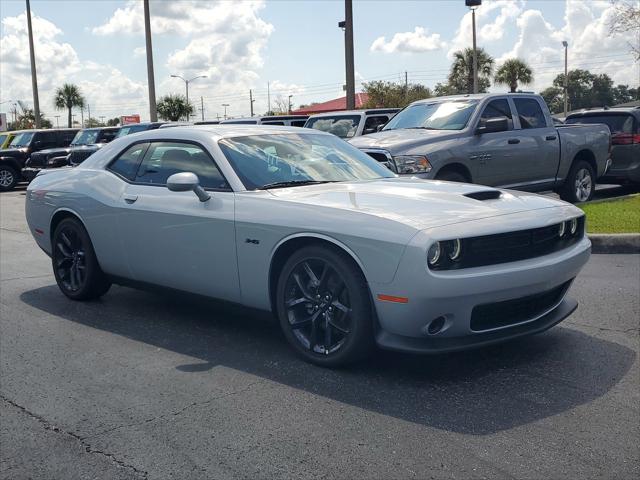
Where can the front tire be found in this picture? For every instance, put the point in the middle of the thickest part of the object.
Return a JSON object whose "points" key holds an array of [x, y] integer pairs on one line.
{"points": [[8, 178], [74, 262], [580, 185], [324, 307]]}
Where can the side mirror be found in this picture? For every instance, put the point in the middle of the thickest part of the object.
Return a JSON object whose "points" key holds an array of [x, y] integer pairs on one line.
{"points": [[186, 182], [380, 127], [500, 124]]}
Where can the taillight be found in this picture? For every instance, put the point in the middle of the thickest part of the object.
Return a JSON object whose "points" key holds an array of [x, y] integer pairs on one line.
{"points": [[625, 139]]}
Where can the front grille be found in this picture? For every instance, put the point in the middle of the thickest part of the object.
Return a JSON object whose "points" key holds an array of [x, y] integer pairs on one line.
{"points": [[37, 159], [79, 156], [511, 246], [511, 312]]}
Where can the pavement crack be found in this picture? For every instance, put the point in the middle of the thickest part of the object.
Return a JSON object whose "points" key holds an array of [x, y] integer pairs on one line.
{"points": [[604, 329], [82, 440], [176, 412]]}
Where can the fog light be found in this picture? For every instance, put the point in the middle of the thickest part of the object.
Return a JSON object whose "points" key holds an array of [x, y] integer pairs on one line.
{"points": [[436, 325], [433, 255]]}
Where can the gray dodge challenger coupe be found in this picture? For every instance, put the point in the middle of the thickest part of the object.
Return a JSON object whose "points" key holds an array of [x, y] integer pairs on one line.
{"points": [[343, 252]]}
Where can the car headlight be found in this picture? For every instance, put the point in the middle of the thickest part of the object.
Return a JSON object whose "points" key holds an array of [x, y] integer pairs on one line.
{"points": [[434, 253], [412, 164], [573, 226], [455, 249], [562, 228]]}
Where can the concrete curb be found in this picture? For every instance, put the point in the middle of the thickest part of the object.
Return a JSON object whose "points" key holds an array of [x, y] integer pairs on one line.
{"points": [[615, 243]]}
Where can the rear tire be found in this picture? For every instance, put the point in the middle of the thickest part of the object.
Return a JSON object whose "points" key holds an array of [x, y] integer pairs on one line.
{"points": [[580, 185], [8, 178], [74, 262], [451, 176], [324, 307]]}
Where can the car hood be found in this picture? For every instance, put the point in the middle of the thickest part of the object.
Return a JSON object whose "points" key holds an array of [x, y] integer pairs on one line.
{"points": [[418, 203], [402, 139], [54, 151], [13, 152]]}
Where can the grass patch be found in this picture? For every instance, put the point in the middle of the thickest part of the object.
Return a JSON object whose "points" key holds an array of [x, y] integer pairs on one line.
{"points": [[613, 216]]}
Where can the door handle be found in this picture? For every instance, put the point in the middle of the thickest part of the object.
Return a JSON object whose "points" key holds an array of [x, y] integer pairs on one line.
{"points": [[513, 141], [130, 198], [550, 137]]}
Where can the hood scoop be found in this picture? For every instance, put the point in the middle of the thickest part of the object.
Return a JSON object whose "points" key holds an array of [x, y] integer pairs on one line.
{"points": [[483, 195]]}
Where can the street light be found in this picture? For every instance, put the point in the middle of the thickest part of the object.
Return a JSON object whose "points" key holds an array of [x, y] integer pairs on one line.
{"points": [[225, 105], [290, 104], [566, 79], [473, 4], [186, 85]]}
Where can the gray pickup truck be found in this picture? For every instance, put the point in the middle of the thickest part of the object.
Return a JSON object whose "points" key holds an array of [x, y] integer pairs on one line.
{"points": [[501, 140]]}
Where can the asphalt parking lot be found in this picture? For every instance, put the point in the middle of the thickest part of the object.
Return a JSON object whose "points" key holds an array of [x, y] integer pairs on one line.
{"points": [[141, 385]]}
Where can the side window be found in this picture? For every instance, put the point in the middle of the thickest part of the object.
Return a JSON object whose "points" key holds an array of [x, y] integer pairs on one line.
{"points": [[163, 159], [530, 113], [127, 163], [372, 123], [497, 109], [273, 123], [67, 137], [107, 135]]}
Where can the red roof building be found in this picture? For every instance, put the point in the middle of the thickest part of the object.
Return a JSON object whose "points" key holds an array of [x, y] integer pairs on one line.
{"points": [[332, 105]]}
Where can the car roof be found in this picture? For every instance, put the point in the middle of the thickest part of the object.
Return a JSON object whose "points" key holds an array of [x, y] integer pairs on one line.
{"points": [[224, 131], [368, 111], [606, 111]]}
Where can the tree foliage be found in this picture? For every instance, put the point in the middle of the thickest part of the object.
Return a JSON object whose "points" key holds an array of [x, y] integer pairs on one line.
{"points": [[174, 107], [513, 72], [461, 74], [67, 97], [113, 122], [92, 123], [280, 106], [626, 21], [391, 95]]}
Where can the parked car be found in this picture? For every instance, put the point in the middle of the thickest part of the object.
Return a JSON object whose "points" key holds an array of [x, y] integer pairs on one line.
{"points": [[285, 120], [501, 140], [5, 139], [138, 127], [59, 157], [351, 123], [624, 123], [25, 142], [301, 223]]}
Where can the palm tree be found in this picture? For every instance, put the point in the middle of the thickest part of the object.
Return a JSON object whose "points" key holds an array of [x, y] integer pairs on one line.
{"points": [[461, 75], [67, 97], [174, 107], [512, 72]]}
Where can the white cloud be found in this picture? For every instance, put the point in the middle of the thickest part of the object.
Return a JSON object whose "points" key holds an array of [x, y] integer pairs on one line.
{"points": [[417, 41], [222, 40], [591, 45], [139, 52], [106, 89]]}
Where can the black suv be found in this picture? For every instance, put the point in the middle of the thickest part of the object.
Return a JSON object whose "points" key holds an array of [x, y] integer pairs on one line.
{"points": [[89, 138], [13, 159]]}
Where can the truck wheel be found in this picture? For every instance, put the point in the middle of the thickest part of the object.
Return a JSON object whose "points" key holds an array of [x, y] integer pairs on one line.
{"points": [[8, 178], [451, 176], [580, 185]]}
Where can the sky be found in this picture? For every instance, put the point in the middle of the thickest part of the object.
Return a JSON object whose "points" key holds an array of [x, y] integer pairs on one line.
{"points": [[294, 46]]}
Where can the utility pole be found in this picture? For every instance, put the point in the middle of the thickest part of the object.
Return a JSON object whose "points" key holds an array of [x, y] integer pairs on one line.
{"points": [[34, 78], [475, 52], [151, 83], [225, 105], [81, 116], [57, 121], [251, 100], [102, 119], [268, 100], [566, 78], [89, 112], [406, 85], [347, 24], [290, 104], [202, 107]]}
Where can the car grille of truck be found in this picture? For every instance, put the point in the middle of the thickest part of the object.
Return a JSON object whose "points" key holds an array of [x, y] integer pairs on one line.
{"points": [[512, 246], [79, 156], [519, 310], [37, 160]]}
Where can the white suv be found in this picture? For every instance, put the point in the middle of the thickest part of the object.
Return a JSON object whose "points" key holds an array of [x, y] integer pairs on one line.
{"points": [[351, 123]]}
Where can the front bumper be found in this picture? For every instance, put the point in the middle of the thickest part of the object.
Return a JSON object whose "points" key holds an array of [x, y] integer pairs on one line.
{"points": [[453, 295], [29, 173]]}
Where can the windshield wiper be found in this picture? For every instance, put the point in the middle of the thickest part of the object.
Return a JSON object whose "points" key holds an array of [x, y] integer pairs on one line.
{"points": [[293, 183], [421, 128]]}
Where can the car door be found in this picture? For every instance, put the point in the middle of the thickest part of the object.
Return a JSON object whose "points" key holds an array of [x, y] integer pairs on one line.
{"points": [[539, 145], [493, 155], [173, 239]]}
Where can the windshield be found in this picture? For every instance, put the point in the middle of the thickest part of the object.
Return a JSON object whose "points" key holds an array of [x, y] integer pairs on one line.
{"points": [[265, 160], [22, 140], [344, 126], [130, 129], [451, 115], [85, 137]]}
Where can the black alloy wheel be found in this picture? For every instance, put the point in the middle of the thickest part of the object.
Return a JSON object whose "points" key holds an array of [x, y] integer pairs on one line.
{"points": [[324, 307], [74, 262]]}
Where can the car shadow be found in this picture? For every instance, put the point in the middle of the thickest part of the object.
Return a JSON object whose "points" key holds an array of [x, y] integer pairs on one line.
{"points": [[476, 392]]}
